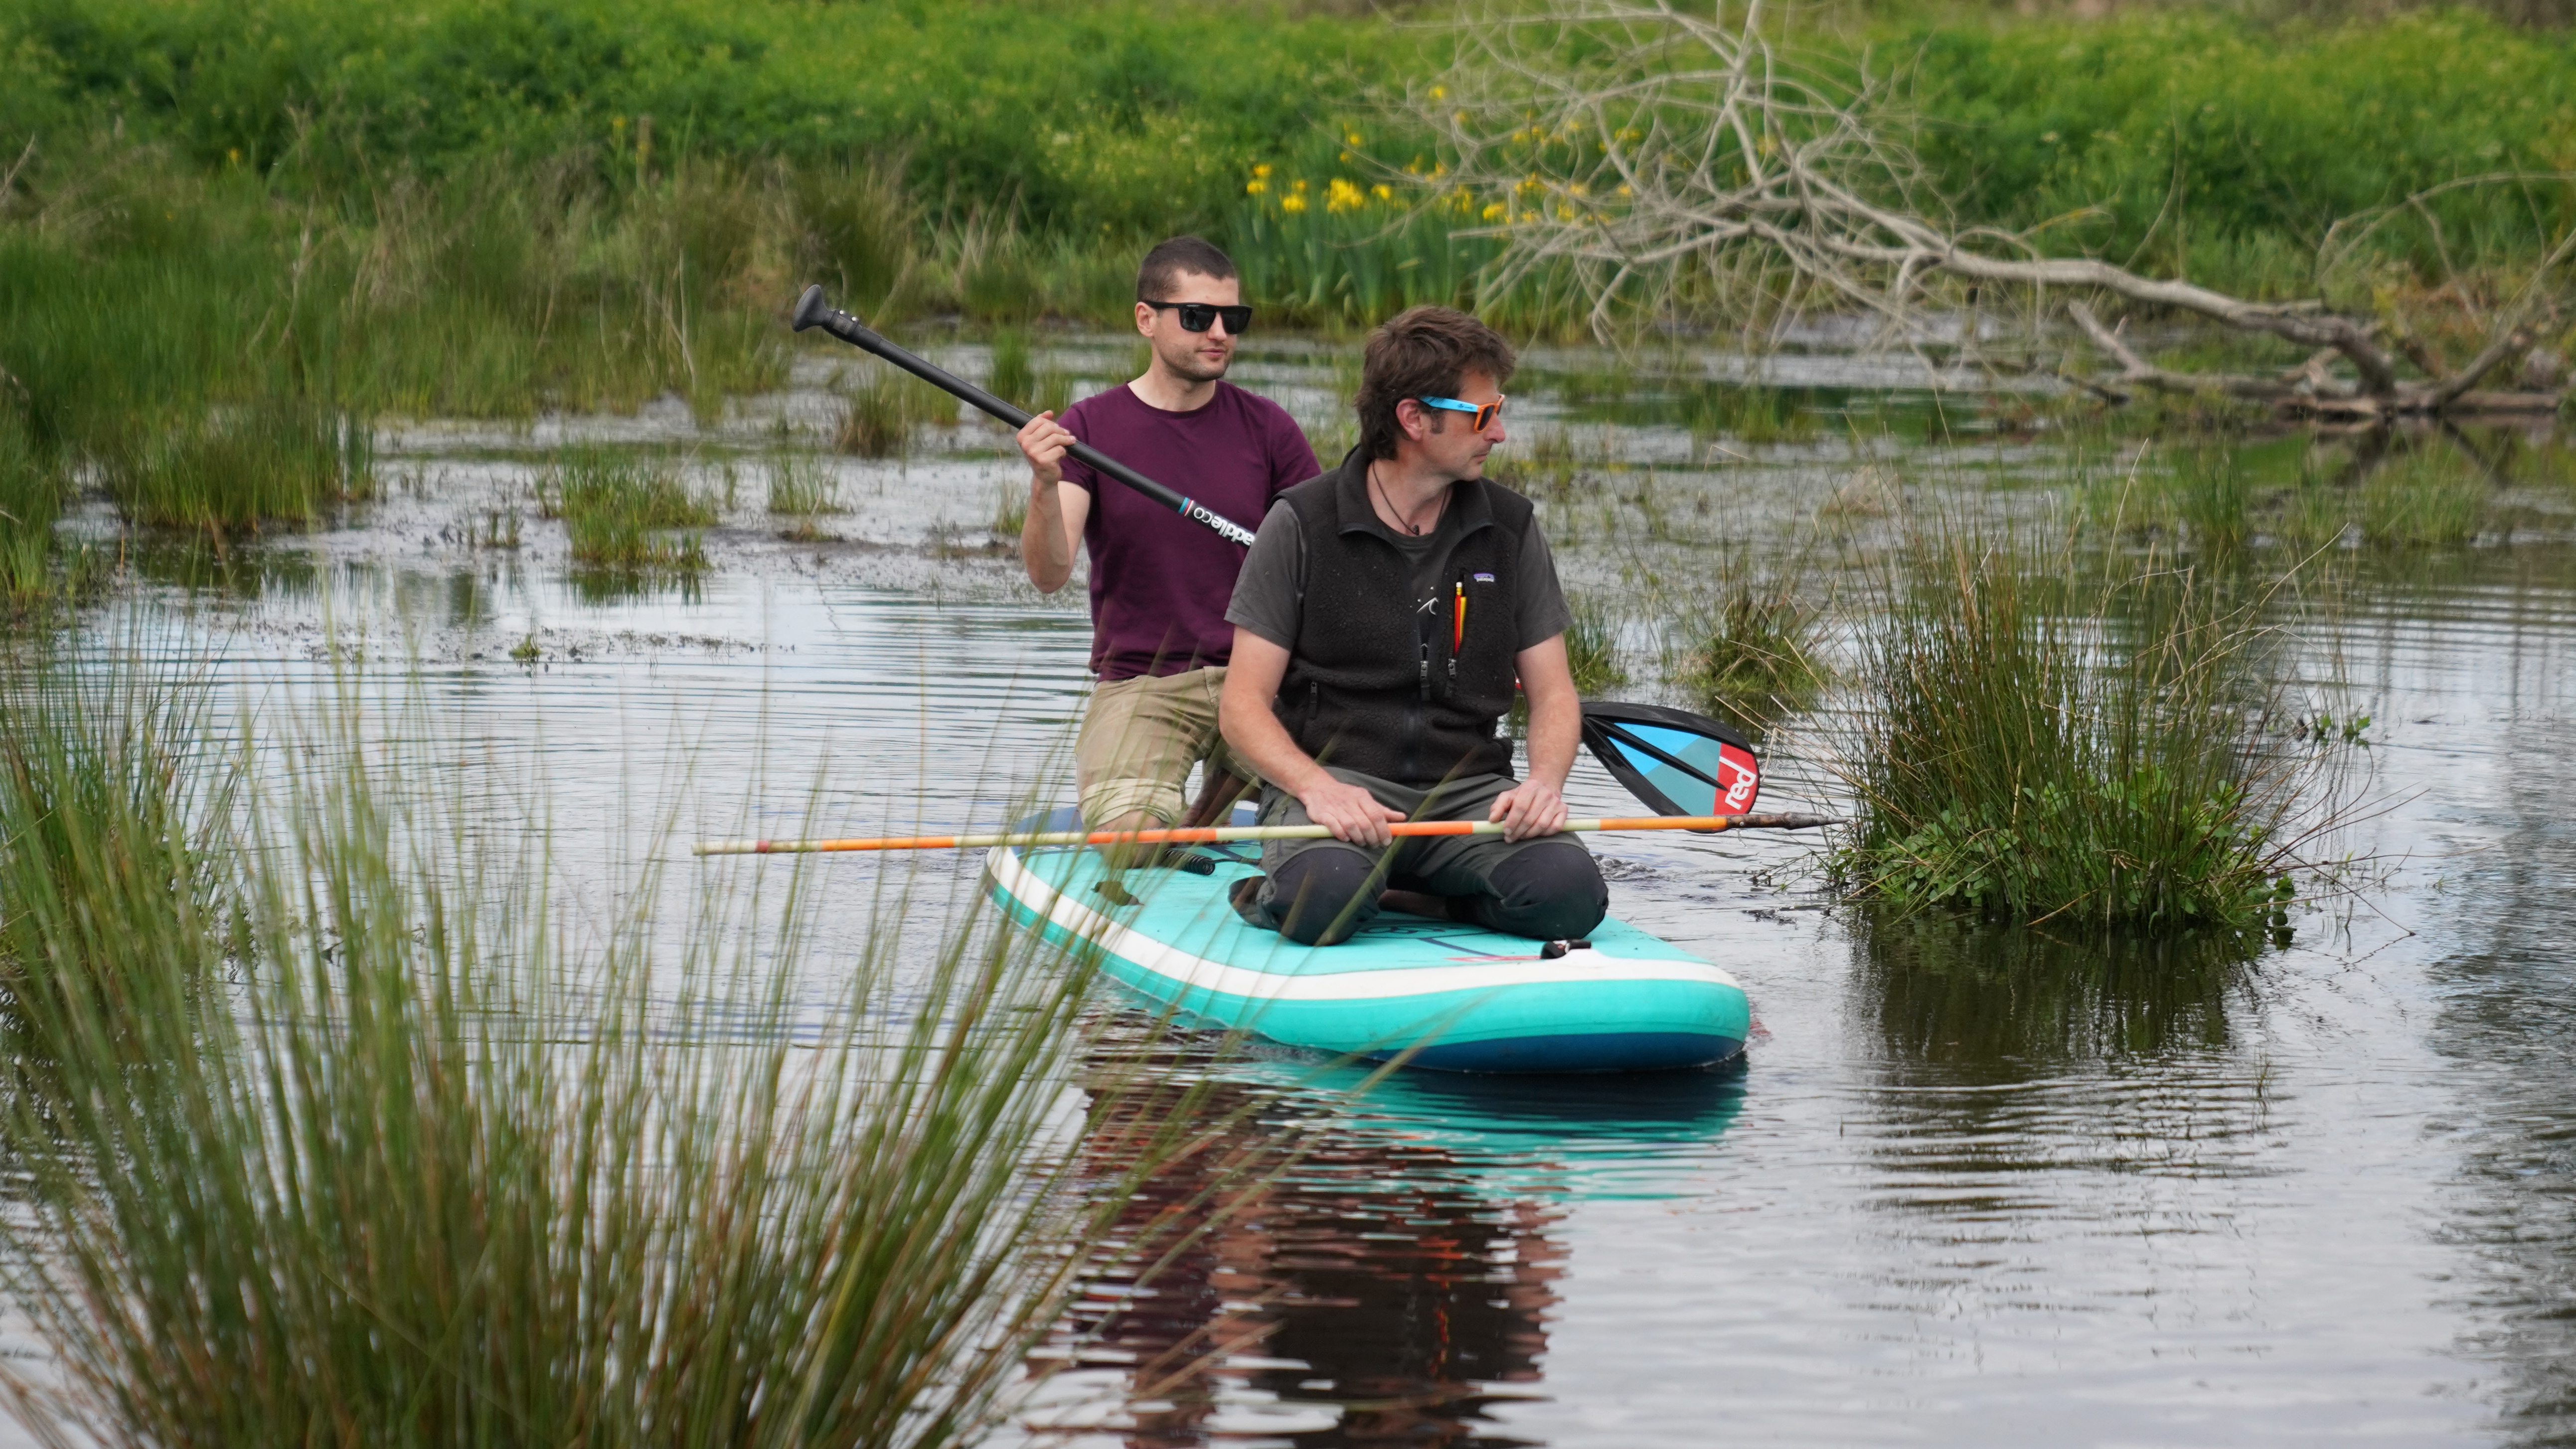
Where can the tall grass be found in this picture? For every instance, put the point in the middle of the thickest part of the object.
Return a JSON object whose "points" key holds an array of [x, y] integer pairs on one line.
{"points": [[442, 1170], [140, 294], [803, 489], [2030, 747], [379, 212], [1010, 509], [802, 485], [2429, 496], [857, 234], [2215, 498], [876, 421]]}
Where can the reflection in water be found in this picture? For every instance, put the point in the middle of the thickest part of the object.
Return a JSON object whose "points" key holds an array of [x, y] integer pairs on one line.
{"points": [[239, 569], [2513, 1027], [1998, 1002], [1378, 1270], [2019, 1066], [2507, 1026]]}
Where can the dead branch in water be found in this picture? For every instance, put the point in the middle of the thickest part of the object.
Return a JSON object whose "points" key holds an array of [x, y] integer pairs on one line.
{"points": [[1667, 158]]}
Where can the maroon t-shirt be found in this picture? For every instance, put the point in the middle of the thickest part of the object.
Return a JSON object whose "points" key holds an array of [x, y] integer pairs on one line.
{"points": [[1159, 583]]}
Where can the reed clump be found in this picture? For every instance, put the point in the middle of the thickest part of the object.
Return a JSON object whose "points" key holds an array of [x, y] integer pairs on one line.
{"points": [[275, 461], [626, 514], [1014, 377], [445, 1170], [1592, 645], [876, 421], [1750, 414], [856, 224], [803, 490], [1010, 509], [2218, 497], [2208, 499], [1053, 392], [121, 907], [33, 490], [802, 485], [1757, 649], [2032, 748], [2427, 498]]}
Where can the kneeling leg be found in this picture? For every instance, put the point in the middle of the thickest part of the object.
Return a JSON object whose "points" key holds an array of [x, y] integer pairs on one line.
{"points": [[1320, 895], [1548, 890]]}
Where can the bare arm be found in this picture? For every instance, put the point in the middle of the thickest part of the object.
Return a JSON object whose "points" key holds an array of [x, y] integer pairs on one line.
{"points": [[1052, 531], [1252, 731], [1536, 806]]}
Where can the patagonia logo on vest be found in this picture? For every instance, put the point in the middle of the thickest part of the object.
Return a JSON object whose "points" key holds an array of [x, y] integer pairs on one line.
{"points": [[1484, 578]]}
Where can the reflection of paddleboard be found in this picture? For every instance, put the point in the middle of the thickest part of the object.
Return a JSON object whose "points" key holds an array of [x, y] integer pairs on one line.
{"points": [[1620, 1135], [1470, 999]]}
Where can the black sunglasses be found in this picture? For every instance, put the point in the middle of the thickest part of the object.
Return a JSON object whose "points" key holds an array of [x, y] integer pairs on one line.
{"points": [[1195, 316]]}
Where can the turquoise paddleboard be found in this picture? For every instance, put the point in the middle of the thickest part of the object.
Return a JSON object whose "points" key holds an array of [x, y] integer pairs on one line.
{"points": [[1465, 999]]}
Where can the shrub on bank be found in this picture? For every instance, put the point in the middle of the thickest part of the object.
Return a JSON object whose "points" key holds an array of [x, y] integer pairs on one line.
{"points": [[2199, 143]]}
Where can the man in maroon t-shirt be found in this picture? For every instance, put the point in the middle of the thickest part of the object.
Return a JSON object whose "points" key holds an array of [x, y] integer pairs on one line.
{"points": [[1160, 583]]}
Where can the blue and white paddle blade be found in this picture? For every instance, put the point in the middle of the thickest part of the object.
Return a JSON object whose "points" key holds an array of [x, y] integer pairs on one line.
{"points": [[1676, 762]]}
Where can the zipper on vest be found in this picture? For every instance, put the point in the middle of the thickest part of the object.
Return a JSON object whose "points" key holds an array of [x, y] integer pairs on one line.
{"points": [[1422, 628]]}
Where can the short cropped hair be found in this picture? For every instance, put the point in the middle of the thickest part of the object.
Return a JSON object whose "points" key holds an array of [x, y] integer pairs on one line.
{"points": [[1424, 352], [1163, 266]]}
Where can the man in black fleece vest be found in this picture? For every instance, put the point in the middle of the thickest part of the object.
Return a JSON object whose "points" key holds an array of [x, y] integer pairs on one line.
{"points": [[1380, 621]]}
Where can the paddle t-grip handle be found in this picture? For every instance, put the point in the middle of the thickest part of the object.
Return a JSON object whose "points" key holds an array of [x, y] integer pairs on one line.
{"points": [[813, 311]]}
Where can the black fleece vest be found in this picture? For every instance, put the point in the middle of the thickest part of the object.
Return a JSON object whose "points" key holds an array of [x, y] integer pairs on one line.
{"points": [[1382, 681]]}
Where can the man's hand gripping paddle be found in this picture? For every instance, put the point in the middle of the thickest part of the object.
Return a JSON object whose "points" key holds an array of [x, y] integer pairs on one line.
{"points": [[813, 311]]}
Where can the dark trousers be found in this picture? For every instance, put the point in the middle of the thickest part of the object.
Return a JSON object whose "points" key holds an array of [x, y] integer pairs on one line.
{"points": [[1317, 892]]}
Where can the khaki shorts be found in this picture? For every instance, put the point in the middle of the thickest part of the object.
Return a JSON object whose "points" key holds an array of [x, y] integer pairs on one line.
{"points": [[1139, 739]]}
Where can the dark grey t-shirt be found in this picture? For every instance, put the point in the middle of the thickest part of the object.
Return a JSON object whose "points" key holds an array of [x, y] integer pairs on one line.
{"points": [[1270, 593]]}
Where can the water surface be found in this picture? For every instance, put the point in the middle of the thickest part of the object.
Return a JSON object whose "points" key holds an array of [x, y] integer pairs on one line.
{"points": [[1970, 1186]]}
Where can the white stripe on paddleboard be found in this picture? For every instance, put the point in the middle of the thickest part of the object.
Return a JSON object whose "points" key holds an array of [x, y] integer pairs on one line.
{"points": [[1174, 964]]}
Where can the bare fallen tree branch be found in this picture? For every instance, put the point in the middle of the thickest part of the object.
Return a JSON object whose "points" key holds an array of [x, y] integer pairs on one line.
{"points": [[1668, 159]]}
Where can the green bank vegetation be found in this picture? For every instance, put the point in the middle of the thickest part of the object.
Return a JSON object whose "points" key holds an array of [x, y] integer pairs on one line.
{"points": [[681, 164], [329, 1126], [233, 233]]}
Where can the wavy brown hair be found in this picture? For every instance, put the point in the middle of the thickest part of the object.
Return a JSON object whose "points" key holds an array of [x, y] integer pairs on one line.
{"points": [[1424, 352]]}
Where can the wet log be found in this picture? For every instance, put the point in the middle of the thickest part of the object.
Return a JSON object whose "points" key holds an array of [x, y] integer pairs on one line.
{"points": [[2307, 391], [1721, 175]]}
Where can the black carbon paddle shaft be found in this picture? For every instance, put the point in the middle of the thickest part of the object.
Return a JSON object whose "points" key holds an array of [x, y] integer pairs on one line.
{"points": [[813, 311]]}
